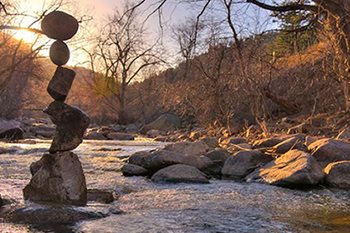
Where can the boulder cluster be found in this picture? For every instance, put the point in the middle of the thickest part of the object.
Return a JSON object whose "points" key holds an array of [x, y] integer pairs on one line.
{"points": [[58, 176], [293, 161]]}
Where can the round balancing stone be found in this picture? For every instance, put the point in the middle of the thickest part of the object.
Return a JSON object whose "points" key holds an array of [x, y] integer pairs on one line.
{"points": [[59, 25], [59, 53]]}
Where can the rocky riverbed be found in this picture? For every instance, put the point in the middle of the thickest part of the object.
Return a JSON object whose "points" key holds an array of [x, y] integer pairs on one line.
{"points": [[141, 205]]}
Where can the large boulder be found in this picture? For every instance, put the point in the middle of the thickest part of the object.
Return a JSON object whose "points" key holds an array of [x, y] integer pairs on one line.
{"points": [[59, 25], [244, 162], [156, 160], [165, 122], [71, 124], [329, 150], [10, 130], [180, 173], [295, 169], [189, 148], [57, 178], [338, 174]]}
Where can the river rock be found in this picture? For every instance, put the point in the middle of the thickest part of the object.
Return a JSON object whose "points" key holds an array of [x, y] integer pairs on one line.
{"points": [[50, 214], [329, 150], [133, 170], [59, 25], [101, 196], [180, 173], [71, 124], [233, 140], [57, 178], [218, 155], [94, 135], [159, 159], [10, 130], [120, 136], [165, 122], [59, 53], [189, 148], [266, 142], [289, 144], [338, 174], [244, 162], [61, 83], [294, 169], [212, 142]]}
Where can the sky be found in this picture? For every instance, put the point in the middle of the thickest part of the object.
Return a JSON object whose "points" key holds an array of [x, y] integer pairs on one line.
{"points": [[172, 13]]}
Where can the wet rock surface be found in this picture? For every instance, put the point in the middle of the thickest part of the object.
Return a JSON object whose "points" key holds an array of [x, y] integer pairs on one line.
{"points": [[57, 178], [71, 125]]}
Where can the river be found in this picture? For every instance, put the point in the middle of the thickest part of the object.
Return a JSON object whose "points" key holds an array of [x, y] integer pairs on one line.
{"points": [[221, 206]]}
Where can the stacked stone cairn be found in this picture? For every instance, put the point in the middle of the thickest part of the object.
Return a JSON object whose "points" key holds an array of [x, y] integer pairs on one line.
{"points": [[58, 176]]}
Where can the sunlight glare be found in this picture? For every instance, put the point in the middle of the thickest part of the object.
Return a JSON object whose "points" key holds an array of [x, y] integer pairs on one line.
{"points": [[26, 36]]}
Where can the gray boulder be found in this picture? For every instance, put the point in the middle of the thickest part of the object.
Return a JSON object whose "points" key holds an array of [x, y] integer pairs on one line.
{"points": [[338, 174], [71, 124], [242, 163], [295, 169], [57, 178], [329, 150], [10, 130], [180, 173], [133, 170], [165, 122]]}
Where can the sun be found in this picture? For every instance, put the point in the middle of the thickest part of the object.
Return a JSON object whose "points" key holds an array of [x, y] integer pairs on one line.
{"points": [[26, 36]]}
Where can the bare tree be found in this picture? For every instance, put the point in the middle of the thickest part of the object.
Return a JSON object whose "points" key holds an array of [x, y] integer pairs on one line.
{"points": [[124, 53]]}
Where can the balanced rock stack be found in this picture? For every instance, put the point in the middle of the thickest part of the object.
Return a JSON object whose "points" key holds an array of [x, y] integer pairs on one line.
{"points": [[58, 176]]}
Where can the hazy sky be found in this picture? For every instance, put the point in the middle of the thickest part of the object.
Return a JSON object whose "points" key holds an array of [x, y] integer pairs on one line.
{"points": [[246, 17]]}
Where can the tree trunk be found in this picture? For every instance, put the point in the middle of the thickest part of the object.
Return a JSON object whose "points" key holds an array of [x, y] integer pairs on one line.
{"points": [[122, 118]]}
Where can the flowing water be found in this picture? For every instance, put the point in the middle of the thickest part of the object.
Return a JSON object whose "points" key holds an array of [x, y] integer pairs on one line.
{"points": [[221, 206]]}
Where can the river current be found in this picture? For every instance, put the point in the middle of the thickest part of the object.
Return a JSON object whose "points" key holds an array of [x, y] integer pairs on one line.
{"points": [[221, 206]]}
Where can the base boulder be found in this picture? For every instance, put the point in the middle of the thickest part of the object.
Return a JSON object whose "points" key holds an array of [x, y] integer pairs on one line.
{"points": [[57, 178]]}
